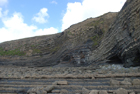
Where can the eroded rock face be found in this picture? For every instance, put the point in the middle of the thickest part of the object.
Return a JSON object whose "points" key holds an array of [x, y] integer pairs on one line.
{"points": [[122, 39], [110, 36], [74, 45]]}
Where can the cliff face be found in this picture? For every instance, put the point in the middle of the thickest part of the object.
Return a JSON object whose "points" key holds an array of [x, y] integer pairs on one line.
{"points": [[122, 40], [112, 36], [74, 45]]}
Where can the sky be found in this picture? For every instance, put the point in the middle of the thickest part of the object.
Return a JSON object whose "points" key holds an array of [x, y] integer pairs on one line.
{"points": [[28, 18]]}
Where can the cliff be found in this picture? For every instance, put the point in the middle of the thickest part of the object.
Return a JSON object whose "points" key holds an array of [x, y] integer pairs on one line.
{"points": [[112, 37], [122, 40], [74, 45]]}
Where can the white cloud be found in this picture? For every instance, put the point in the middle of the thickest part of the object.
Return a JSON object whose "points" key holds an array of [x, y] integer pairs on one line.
{"points": [[77, 11], [3, 14], [47, 31], [3, 2], [41, 16], [15, 28], [54, 2]]}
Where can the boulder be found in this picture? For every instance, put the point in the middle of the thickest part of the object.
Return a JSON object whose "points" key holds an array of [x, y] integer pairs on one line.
{"points": [[60, 83], [49, 88], [126, 81], [136, 82], [63, 91], [132, 93], [121, 91], [36, 90], [85, 91], [103, 92], [55, 91], [114, 82], [94, 92]]}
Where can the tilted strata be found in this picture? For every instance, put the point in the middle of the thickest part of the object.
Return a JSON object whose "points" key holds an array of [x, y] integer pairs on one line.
{"points": [[109, 37], [123, 37]]}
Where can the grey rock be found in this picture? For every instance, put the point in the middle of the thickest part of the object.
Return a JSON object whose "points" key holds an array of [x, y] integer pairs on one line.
{"points": [[103, 92], [63, 91], [136, 82], [132, 93], [121, 91], [114, 82], [60, 83], [49, 88], [127, 81], [85, 91], [94, 92]]}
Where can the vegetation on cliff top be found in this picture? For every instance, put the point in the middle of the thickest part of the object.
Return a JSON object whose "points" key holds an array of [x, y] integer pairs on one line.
{"points": [[11, 52]]}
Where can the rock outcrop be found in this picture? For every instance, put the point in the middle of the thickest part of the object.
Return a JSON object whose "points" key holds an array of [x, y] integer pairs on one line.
{"points": [[122, 41], [112, 37], [74, 45]]}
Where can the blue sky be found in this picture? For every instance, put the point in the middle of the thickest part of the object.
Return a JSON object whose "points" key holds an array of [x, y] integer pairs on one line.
{"points": [[28, 18]]}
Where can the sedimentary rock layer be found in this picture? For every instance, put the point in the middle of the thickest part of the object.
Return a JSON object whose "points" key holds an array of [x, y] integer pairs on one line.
{"points": [[123, 37]]}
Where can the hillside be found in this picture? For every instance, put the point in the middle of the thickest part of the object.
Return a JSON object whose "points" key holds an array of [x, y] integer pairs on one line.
{"points": [[112, 37], [74, 45]]}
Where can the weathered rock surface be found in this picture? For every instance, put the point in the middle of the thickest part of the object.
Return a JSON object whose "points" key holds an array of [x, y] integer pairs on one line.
{"points": [[85, 91], [63, 91], [40, 80], [103, 92], [122, 40], [127, 81], [94, 92], [112, 37], [73, 46], [114, 82], [37, 90], [121, 91], [136, 82], [60, 83]]}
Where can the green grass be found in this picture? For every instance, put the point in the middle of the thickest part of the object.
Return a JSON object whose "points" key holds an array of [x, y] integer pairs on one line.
{"points": [[55, 49], [36, 51], [96, 23], [33, 46], [95, 40], [11, 52]]}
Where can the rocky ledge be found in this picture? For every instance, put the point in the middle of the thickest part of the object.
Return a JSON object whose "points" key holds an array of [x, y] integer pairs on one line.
{"points": [[102, 79]]}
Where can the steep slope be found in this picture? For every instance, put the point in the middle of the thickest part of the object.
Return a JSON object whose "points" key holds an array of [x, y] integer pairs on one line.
{"points": [[74, 45], [122, 41]]}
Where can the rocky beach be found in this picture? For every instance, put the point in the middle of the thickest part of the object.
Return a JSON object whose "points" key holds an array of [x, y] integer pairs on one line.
{"points": [[96, 56]]}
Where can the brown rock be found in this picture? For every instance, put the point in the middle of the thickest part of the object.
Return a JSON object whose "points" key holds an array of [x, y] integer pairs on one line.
{"points": [[121, 91], [85, 91], [60, 83], [103, 92], [54, 83], [94, 92], [136, 82], [132, 93], [55, 91], [114, 82], [63, 91], [36, 90], [49, 88], [127, 81], [93, 77]]}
